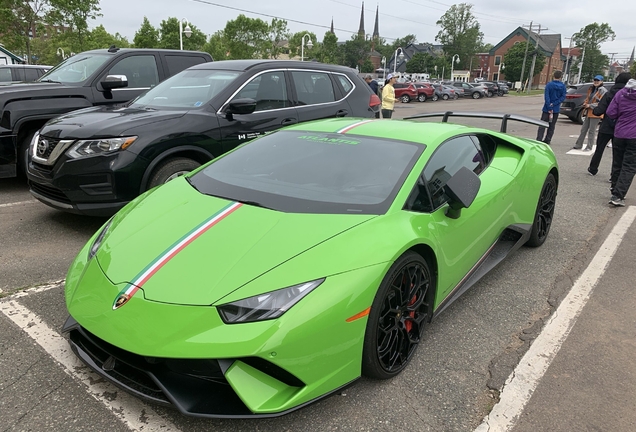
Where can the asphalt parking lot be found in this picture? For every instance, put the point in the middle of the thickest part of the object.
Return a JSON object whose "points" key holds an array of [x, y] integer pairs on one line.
{"points": [[451, 384]]}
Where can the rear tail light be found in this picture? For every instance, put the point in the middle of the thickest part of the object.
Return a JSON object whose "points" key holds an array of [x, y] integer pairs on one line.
{"points": [[573, 96], [374, 101]]}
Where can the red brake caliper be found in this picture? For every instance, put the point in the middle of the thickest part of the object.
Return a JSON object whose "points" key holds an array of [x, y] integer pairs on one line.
{"points": [[408, 324]]}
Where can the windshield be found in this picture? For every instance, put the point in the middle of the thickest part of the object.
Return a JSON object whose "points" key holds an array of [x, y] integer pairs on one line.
{"points": [[188, 89], [75, 69], [312, 172]]}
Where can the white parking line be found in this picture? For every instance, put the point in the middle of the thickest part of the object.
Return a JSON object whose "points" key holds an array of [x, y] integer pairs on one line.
{"points": [[523, 381], [18, 203], [130, 410]]}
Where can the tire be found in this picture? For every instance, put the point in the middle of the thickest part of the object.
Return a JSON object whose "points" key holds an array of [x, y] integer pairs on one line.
{"points": [[421, 98], [500, 93], [171, 169], [476, 95], [445, 96], [489, 94], [405, 99], [23, 153], [544, 213], [581, 115], [456, 97], [400, 310], [435, 98]]}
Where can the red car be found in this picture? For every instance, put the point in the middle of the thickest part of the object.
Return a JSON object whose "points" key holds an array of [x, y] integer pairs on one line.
{"points": [[405, 92], [424, 91]]}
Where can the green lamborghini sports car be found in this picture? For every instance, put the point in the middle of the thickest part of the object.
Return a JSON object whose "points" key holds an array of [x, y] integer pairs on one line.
{"points": [[286, 269]]}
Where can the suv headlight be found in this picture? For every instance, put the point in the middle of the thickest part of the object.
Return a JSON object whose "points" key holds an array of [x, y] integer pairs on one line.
{"points": [[85, 148], [265, 306]]}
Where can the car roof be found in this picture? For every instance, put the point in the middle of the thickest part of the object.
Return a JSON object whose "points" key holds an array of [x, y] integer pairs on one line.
{"points": [[244, 65]]}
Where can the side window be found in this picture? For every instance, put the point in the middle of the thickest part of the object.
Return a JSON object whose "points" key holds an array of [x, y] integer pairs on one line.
{"points": [[268, 90], [487, 145], [446, 161], [31, 74], [141, 71], [177, 63], [345, 83], [18, 74], [5, 75], [313, 87], [419, 200]]}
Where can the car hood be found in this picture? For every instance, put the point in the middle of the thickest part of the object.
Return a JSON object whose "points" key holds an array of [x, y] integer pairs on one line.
{"points": [[150, 245], [104, 121]]}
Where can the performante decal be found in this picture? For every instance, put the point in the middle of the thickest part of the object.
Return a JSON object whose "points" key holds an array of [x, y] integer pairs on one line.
{"points": [[139, 281], [348, 128]]}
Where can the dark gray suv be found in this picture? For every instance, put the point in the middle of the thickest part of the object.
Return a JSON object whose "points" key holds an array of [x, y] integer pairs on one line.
{"points": [[572, 107]]}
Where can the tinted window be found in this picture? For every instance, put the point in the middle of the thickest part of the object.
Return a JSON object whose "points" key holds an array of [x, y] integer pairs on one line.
{"points": [[345, 83], [312, 172], [76, 69], [313, 87], [446, 161], [269, 90], [487, 145], [31, 74], [5, 75], [177, 63], [141, 71]]}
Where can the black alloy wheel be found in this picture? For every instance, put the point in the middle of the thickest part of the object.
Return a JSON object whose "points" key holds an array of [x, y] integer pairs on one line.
{"points": [[545, 212], [399, 312]]}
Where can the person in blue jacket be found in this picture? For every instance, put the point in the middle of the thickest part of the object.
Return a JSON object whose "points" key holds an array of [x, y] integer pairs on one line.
{"points": [[554, 94]]}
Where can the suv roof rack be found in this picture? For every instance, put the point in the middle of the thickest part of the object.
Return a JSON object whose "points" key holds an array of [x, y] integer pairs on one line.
{"points": [[504, 118]]}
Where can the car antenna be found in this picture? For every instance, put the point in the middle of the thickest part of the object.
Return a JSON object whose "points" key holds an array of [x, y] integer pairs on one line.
{"points": [[113, 49]]}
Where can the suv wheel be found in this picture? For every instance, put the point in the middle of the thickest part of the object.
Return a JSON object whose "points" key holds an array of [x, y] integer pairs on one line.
{"points": [[445, 96], [405, 99], [421, 97], [435, 97], [172, 169], [581, 115], [476, 95]]}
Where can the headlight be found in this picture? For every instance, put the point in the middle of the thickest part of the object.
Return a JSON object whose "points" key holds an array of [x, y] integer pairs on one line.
{"points": [[98, 241], [266, 306], [34, 143], [85, 148]]}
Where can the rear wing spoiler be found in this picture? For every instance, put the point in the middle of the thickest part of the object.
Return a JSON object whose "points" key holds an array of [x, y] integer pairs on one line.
{"points": [[504, 118]]}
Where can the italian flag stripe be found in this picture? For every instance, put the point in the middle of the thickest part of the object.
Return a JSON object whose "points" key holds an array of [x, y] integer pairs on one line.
{"points": [[348, 128]]}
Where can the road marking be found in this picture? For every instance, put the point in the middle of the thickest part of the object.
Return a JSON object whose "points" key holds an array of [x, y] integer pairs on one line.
{"points": [[18, 203], [523, 381], [128, 409], [582, 152], [37, 289]]}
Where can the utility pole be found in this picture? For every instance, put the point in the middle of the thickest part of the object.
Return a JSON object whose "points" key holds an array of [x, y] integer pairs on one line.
{"points": [[534, 58], [523, 66], [578, 79], [566, 73]]}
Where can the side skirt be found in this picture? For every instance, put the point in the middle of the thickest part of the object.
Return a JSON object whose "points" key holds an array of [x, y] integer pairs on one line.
{"points": [[510, 240]]}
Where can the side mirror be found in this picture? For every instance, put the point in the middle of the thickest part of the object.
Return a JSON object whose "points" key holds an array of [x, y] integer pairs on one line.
{"points": [[240, 106], [114, 82], [462, 188]]}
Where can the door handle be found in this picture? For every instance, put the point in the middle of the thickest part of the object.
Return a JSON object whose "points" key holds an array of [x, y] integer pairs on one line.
{"points": [[342, 113], [289, 121]]}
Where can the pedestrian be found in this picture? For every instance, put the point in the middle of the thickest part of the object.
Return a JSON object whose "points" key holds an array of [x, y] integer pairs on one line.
{"points": [[374, 88], [594, 95], [623, 110], [606, 130], [553, 95], [388, 96]]}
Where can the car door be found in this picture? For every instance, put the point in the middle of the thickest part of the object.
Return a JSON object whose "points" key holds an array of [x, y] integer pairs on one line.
{"points": [[460, 243], [316, 96], [142, 73], [274, 108]]}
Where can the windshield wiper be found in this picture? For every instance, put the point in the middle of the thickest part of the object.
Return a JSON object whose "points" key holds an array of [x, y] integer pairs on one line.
{"points": [[50, 81], [254, 203]]}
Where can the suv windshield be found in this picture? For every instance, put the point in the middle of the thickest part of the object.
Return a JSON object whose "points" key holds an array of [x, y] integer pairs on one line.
{"points": [[188, 89], [75, 69], [312, 172]]}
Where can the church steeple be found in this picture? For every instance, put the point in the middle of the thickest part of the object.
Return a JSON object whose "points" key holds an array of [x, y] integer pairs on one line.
{"points": [[376, 28], [361, 32], [331, 30]]}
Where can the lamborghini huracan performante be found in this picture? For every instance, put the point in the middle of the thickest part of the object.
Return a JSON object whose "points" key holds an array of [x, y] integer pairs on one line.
{"points": [[291, 266]]}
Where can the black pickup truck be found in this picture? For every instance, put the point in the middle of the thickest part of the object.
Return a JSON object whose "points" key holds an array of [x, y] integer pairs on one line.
{"points": [[92, 78]]}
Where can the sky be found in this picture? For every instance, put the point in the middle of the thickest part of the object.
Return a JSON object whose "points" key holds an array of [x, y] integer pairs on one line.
{"points": [[397, 17]]}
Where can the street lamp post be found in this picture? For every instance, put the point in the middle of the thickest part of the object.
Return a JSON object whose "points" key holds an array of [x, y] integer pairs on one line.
{"points": [[383, 68], [453, 61], [396, 57], [187, 31], [436, 75], [566, 73], [60, 52], [302, 46], [501, 66]]}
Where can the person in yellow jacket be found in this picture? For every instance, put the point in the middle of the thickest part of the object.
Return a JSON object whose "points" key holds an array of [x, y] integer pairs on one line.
{"points": [[594, 95], [388, 96]]}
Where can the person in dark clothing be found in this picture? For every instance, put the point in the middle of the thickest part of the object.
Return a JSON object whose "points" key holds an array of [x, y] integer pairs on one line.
{"points": [[554, 94], [374, 86], [606, 130]]}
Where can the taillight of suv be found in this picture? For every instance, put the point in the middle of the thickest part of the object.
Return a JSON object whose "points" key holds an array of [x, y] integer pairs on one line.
{"points": [[374, 101], [573, 95]]}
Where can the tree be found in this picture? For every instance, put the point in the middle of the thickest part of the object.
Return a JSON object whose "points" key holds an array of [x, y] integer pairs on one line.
{"points": [[513, 61], [246, 38], [169, 35], [460, 34], [420, 62], [329, 51], [75, 14], [593, 35], [100, 38], [216, 46], [147, 36], [356, 51], [278, 33], [632, 70], [593, 64], [18, 19], [295, 44]]}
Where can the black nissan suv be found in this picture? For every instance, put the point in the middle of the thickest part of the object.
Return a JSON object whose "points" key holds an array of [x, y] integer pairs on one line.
{"points": [[94, 161]]}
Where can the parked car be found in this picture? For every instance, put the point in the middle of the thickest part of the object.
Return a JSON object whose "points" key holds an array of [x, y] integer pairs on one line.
{"points": [[10, 73], [572, 107], [456, 91], [289, 268], [491, 88], [443, 92], [470, 90], [504, 88], [405, 92], [424, 91], [92, 78], [96, 160]]}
